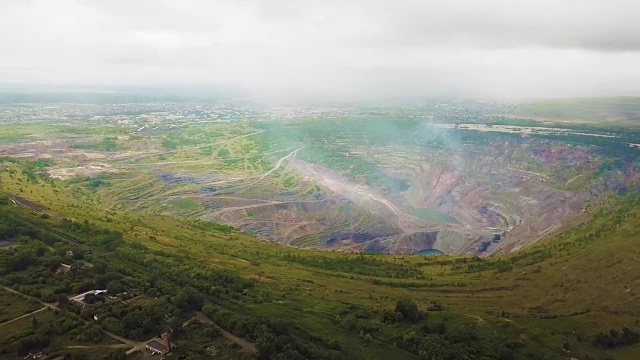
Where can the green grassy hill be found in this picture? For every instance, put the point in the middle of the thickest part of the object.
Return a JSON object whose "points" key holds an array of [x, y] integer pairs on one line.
{"points": [[569, 296]]}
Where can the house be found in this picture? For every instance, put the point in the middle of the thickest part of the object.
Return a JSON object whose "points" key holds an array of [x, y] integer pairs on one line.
{"points": [[36, 355], [80, 299], [63, 269], [161, 345]]}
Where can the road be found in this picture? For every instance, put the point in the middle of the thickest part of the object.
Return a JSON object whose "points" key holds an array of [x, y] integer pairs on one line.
{"points": [[279, 163], [268, 203], [261, 177]]}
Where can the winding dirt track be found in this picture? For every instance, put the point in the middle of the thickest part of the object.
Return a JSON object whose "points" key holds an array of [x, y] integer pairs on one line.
{"points": [[23, 316], [260, 177], [194, 147]]}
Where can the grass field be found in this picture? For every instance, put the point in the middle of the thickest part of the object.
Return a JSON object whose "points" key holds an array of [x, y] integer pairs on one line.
{"points": [[25, 324], [13, 306]]}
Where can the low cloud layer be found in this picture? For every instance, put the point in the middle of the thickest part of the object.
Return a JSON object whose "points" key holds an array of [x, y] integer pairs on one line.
{"points": [[332, 49]]}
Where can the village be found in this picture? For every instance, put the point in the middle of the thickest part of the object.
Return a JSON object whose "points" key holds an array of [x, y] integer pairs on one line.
{"points": [[105, 313]]}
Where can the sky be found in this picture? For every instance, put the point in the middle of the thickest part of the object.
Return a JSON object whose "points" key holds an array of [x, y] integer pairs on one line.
{"points": [[328, 48]]}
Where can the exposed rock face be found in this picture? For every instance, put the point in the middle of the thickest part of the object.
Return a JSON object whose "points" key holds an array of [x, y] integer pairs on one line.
{"points": [[519, 210], [487, 206], [412, 243], [481, 199], [430, 186]]}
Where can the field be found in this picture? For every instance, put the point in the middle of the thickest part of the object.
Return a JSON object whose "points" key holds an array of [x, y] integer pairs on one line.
{"points": [[603, 113], [25, 324], [13, 306]]}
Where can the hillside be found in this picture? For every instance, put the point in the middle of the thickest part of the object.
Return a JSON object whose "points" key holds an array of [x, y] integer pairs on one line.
{"points": [[562, 292]]}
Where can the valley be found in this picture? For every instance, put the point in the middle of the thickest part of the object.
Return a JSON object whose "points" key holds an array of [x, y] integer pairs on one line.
{"points": [[347, 182]]}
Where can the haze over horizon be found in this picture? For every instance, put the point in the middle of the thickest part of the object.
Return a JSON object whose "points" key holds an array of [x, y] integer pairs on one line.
{"points": [[333, 50]]}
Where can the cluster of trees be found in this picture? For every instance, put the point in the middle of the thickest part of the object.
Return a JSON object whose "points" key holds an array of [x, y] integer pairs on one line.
{"points": [[133, 322], [616, 338], [93, 235], [431, 334], [201, 341], [24, 344], [499, 266], [277, 339], [170, 272], [109, 143], [361, 265], [87, 333], [407, 310], [30, 169], [30, 266], [434, 340], [357, 319], [39, 278]]}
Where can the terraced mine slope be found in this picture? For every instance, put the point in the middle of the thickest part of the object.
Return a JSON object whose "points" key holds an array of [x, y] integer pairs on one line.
{"points": [[344, 180]]}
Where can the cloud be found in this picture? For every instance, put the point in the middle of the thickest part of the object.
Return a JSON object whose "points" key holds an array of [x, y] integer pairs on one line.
{"points": [[590, 25], [333, 49]]}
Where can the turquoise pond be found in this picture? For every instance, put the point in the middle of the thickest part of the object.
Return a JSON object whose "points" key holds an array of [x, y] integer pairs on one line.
{"points": [[429, 252]]}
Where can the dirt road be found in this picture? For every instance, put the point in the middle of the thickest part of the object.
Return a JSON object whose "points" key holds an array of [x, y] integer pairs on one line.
{"points": [[23, 316], [260, 177]]}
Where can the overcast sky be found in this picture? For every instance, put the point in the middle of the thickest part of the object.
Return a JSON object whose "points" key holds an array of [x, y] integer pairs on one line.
{"points": [[327, 48]]}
